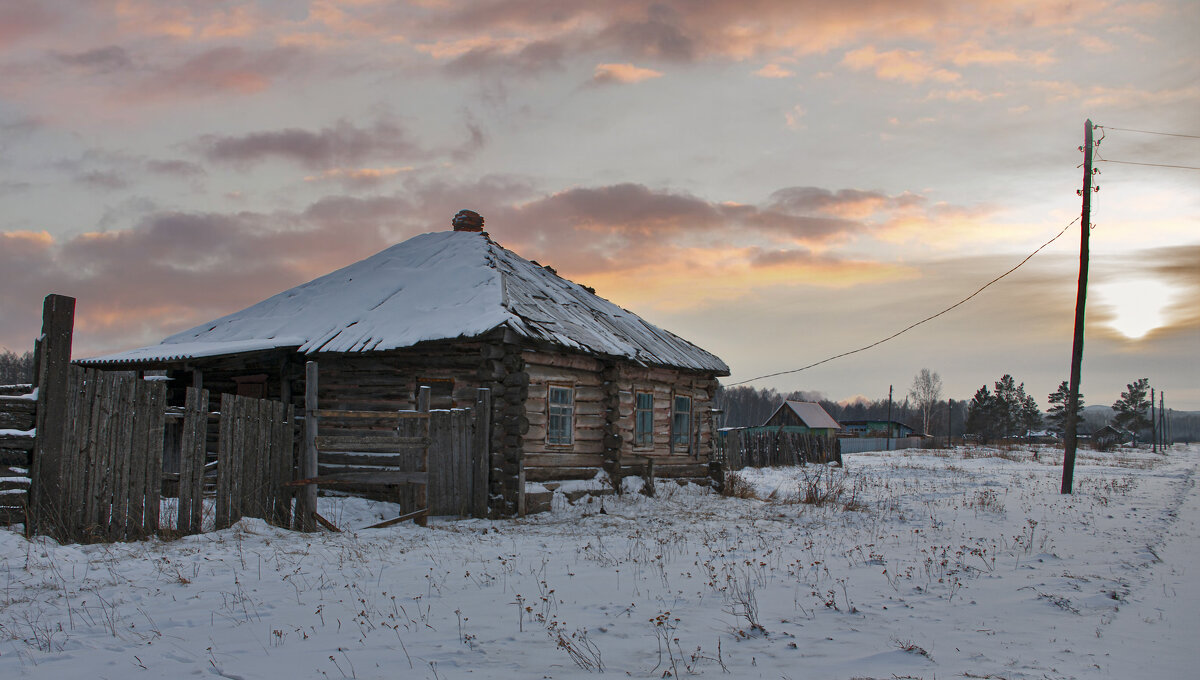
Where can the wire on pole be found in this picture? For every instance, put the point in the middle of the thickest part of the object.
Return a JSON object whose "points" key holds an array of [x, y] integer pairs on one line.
{"points": [[918, 323]]}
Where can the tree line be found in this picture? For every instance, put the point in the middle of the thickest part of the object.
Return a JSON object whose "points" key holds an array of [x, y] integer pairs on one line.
{"points": [[1004, 411], [16, 369]]}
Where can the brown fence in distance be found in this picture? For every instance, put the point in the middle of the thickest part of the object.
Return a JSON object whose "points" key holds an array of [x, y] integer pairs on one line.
{"points": [[754, 447]]}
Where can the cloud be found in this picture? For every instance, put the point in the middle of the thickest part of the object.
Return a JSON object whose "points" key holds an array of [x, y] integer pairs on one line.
{"points": [[845, 203], [340, 145], [530, 59], [104, 180], [909, 66], [221, 70], [359, 177], [21, 19], [774, 71], [175, 269], [178, 168], [622, 73], [99, 60], [971, 53], [795, 117]]}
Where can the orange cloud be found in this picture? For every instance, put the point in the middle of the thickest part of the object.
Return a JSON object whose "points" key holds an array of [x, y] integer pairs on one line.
{"points": [[773, 71], [970, 53], [157, 18], [908, 66], [623, 73]]}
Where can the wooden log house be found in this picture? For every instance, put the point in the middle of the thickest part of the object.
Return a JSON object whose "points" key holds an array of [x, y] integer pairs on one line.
{"points": [[579, 385]]}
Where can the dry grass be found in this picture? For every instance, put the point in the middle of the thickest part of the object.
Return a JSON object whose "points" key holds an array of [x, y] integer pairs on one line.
{"points": [[736, 486]]}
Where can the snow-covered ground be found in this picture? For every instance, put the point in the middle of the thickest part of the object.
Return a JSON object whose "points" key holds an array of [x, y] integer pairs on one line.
{"points": [[920, 564]]}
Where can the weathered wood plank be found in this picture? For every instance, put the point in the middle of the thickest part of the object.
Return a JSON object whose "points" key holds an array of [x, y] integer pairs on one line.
{"points": [[563, 460], [306, 501], [17, 442], [382, 443], [482, 453], [136, 457], [225, 464], [411, 459], [127, 408], [192, 459], [47, 494], [369, 477], [154, 455]]}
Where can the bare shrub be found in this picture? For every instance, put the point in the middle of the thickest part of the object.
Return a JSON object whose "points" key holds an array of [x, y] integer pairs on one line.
{"points": [[821, 485], [736, 486]]}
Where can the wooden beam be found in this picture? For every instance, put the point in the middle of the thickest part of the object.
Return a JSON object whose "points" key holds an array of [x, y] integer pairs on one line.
{"points": [[416, 514], [369, 477], [50, 465], [306, 500]]}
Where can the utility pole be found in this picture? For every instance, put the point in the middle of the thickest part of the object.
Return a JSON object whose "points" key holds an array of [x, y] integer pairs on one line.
{"points": [[949, 423], [889, 422], [1153, 425], [1162, 423], [1072, 424]]}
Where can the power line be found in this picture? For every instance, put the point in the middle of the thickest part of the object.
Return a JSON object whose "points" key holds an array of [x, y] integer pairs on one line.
{"points": [[1149, 132], [1155, 165], [912, 326]]}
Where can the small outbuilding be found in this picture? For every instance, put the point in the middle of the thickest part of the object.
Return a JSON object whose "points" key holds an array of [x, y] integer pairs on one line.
{"points": [[578, 384], [876, 428], [805, 417]]}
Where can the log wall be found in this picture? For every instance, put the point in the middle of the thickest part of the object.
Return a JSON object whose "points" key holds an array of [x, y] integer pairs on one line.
{"points": [[605, 419]]}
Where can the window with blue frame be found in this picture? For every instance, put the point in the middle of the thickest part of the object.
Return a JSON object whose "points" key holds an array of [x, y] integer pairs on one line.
{"points": [[560, 430], [643, 434], [681, 425]]}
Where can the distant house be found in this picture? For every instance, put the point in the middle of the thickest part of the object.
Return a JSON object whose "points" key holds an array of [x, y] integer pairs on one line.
{"points": [[876, 428], [578, 384], [803, 416], [1109, 436]]}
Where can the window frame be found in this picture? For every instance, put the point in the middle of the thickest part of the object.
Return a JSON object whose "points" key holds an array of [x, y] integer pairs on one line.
{"points": [[638, 441], [569, 433], [677, 437]]}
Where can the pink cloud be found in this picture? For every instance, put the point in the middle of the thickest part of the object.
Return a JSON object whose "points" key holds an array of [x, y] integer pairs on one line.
{"points": [[623, 73], [910, 66]]}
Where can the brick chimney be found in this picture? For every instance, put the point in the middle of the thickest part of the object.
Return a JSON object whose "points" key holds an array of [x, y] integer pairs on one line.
{"points": [[467, 220]]}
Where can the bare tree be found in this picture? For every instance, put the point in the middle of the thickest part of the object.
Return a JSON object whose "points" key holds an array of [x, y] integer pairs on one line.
{"points": [[927, 392]]}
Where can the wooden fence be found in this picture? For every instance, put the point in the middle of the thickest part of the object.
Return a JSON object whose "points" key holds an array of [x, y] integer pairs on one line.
{"points": [[255, 460], [740, 448], [111, 467], [17, 408]]}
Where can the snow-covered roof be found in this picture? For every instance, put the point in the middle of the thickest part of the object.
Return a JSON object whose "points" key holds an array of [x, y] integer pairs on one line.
{"points": [[810, 413], [436, 286]]}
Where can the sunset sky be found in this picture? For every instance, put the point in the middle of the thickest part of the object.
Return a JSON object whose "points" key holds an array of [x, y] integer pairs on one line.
{"points": [[778, 181]]}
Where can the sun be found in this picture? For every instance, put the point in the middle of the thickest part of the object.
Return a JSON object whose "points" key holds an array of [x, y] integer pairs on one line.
{"points": [[1138, 306]]}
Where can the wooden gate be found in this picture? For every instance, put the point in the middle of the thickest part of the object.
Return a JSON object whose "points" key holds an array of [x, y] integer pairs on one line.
{"points": [[432, 462]]}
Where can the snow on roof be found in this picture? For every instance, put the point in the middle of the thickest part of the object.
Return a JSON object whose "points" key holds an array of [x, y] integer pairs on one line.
{"points": [[435, 286], [810, 413]]}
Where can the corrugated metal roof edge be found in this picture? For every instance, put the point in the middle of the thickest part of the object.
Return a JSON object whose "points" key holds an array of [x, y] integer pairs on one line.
{"points": [[102, 361]]}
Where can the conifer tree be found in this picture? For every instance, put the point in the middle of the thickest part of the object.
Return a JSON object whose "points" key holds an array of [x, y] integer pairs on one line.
{"points": [[1131, 408], [1056, 415]]}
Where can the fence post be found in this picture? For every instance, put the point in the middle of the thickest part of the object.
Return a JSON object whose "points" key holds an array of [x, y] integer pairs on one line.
{"points": [[48, 469], [481, 452], [306, 500], [424, 398]]}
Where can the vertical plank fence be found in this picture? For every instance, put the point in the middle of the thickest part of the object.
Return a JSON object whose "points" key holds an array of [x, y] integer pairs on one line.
{"points": [[193, 454], [254, 461], [740, 448]]}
